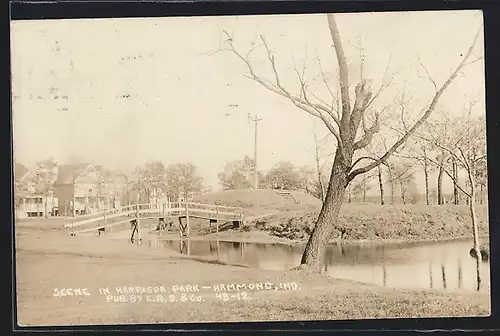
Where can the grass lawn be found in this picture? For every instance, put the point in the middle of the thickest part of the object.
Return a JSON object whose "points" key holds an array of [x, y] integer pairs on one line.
{"points": [[48, 258]]}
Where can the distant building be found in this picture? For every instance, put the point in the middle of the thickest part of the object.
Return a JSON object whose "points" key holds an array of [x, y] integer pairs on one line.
{"points": [[86, 188], [30, 202]]}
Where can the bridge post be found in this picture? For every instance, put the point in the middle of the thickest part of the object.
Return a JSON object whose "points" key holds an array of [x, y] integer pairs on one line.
{"points": [[187, 219], [209, 220], [217, 220], [105, 222], [241, 217]]}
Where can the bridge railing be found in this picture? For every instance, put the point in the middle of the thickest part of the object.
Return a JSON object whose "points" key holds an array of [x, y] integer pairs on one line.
{"points": [[96, 216], [207, 211]]}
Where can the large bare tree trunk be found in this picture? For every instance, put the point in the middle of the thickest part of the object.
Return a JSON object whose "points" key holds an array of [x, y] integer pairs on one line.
{"points": [[440, 186], [381, 185], [314, 253]]}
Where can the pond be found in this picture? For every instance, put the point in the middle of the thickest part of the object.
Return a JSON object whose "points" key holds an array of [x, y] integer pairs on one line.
{"points": [[438, 265]]}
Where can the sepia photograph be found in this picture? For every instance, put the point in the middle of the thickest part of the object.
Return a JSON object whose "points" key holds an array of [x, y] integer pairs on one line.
{"points": [[251, 168]]}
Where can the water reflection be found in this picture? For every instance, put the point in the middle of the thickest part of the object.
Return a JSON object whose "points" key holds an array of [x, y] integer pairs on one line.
{"points": [[431, 282], [392, 265], [443, 274], [384, 272], [460, 283]]}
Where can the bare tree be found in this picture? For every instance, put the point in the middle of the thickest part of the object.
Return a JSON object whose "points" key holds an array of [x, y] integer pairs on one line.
{"points": [[381, 185], [319, 165], [420, 154], [391, 180], [361, 186], [443, 131], [442, 161], [347, 120], [403, 176], [372, 151], [482, 179], [469, 152]]}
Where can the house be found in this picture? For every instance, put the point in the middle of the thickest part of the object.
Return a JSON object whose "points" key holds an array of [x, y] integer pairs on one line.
{"points": [[86, 188], [33, 197]]}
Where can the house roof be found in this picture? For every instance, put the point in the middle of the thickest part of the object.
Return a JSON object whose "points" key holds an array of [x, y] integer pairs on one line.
{"points": [[68, 172], [19, 171]]}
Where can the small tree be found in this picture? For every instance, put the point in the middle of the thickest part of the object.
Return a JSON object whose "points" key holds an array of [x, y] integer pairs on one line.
{"points": [[284, 175], [309, 181], [404, 177], [151, 180], [321, 167], [468, 150], [443, 131], [238, 174], [362, 186], [482, 179], [183, 179]]}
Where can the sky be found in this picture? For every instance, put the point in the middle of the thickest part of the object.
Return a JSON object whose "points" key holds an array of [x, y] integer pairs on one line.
{"points": [[187, 101]]}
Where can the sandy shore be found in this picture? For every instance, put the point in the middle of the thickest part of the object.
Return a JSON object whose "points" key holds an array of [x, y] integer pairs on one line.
{"points": [[47, 258]]}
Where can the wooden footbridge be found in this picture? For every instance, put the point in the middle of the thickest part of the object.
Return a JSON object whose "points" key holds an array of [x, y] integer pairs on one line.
{"points": [[165, 213]]}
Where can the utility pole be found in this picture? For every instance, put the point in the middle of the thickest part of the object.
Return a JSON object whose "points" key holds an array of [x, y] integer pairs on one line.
{"points": [[256, 119], [74, 196]]}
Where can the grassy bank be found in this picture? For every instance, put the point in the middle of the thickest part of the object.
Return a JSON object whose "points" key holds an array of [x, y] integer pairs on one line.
{"points": [[359, 223], [293, 218], [47, 258], [369, 222]]}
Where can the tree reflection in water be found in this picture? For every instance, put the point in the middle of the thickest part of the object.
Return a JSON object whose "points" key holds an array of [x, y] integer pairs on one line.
{"points": [[354, 262], [185, 246], [431, 282], [384, 275], [443, 274], [460, 281]]}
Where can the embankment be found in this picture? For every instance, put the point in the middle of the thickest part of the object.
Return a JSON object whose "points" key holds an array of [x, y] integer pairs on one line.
{"points": [[369, 222]]}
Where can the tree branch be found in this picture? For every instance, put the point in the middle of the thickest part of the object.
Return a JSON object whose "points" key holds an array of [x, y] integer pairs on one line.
{"points": [[426, 115], [365, 158], [368, 136], [363, 95], [343, 71], [314, 109], [450, 176], [429, 77], [382, 86]]}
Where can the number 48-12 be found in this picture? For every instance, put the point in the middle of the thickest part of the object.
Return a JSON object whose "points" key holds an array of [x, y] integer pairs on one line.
{"points": [[238, 296]]}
